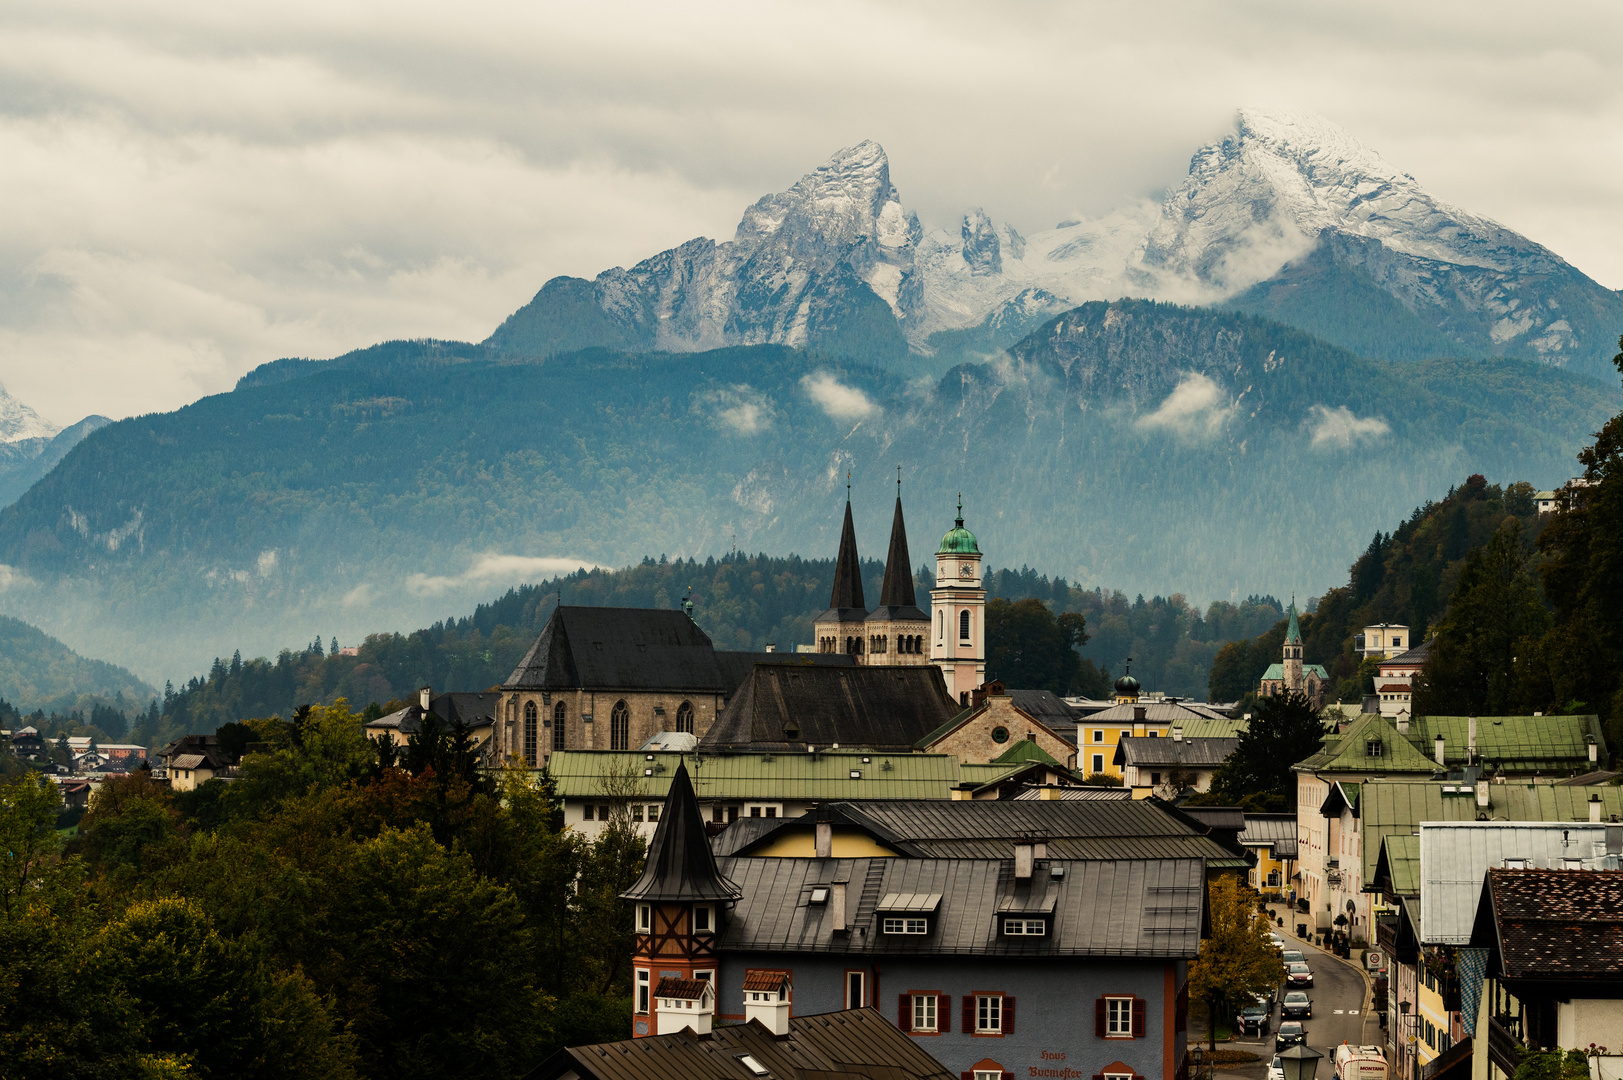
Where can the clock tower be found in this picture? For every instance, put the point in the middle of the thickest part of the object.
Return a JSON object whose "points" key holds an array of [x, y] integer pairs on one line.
{"points": [[958, 629]]}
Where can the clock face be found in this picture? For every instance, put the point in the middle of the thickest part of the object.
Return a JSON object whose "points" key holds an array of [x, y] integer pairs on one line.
{"points": [[965, 570]]}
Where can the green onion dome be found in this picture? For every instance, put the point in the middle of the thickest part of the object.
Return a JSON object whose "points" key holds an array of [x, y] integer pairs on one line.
{"points": [[959, 540]]}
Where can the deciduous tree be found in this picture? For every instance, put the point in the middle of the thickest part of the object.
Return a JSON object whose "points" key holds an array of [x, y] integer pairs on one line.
{"points": [[1237, 961]]}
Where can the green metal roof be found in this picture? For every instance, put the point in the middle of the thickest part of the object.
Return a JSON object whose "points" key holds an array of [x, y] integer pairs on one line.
{"points": [[959, 540], [1518, 743], [1403, 862], [1025, 750], [1398, 806], [1277, 671], [1349, 751], [824, 776], [1293, 632]]}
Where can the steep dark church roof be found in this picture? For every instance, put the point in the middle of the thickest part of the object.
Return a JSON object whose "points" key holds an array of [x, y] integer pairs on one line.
{"points": [[624, 648], [896, 597], [680, 866], [736, 666], [845, 600], [787, 706]]}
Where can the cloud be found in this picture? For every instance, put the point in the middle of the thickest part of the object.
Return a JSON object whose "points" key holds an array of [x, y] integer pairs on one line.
{"points": [[839, 401], [1197, 408], [739, 408], [1339, 429], [12, 578], [492, 568]]}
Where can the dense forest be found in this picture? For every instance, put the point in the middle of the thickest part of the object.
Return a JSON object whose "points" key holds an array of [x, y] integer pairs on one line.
{"points": [[333, 913], [39, 672], [742, 601], [1404, 576]]}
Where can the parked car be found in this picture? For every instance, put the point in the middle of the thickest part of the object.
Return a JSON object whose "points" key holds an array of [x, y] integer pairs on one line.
{"points": [[1298, 975], [1291, 1032], [1255, 1019], [1276, 1069], [1297, 1007]]}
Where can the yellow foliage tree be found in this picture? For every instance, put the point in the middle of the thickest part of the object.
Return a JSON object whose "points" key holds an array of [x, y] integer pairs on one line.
{"points": [[1237, 961]]}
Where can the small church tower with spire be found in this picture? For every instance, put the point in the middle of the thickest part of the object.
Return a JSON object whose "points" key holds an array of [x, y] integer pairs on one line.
{"points": [[841, 628], [1291, 675], [678, 905], [958, 639], [897, 631], [1291, 661]]}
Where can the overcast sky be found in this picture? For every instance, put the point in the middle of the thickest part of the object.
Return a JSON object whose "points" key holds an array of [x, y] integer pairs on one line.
{"points": [[190, 189]]}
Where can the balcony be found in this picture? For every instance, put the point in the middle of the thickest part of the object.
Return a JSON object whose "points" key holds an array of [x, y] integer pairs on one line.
{"points": [[1504, 1049]]}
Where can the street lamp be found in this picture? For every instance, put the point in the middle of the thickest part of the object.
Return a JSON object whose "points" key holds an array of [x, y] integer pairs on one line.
{"points": [[1196, 1056], [1300, 1062]]}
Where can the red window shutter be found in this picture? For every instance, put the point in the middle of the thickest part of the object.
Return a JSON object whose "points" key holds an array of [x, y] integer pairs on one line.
{"points": [[1099, 1021], [943, 1012], [1008, 1076], [1008, 1016], [969, 1014], [904, 1011], [966, 1076], [1138, 1018]]}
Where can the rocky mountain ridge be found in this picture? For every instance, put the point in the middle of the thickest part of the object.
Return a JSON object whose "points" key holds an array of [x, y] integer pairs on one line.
{"points": [[838, 264]]}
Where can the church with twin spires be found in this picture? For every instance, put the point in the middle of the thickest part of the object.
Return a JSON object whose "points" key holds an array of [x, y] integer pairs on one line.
{"points": [[897, 632]]}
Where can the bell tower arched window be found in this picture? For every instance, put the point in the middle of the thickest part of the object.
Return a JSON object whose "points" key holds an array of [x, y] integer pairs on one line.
{"points": [[530, 718], [560, 715], [963, 625], [684, 717], [620, 727]]}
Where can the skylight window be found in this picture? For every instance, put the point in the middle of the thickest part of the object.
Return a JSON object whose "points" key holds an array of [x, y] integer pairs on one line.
{"points": [[753, 1065], [819, 895]]}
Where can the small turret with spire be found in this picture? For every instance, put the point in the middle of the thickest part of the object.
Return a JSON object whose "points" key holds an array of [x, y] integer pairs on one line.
{"points": [[1292, 658]]}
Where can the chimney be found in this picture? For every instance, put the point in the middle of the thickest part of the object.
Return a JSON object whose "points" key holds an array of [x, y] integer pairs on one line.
{"points": [[1595, 808], [1594, 750], [977, 696], [424, 696], [1023, 857], [1439, 750], [825, 840], [1138, 714], [684, 1011], [836, 906], [1470, 740], [1403, 721], [768, 1004], [1482, 794], [772, 646], [1177, 733]]}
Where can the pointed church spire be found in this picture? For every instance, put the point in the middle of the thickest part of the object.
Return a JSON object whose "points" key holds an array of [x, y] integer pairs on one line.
{"points": [[680, 866], [1293, 633], [897, 591], [848, 568]]}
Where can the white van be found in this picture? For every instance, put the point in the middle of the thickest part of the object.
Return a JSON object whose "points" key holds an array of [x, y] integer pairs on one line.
{"points": [[1359, 1062]]}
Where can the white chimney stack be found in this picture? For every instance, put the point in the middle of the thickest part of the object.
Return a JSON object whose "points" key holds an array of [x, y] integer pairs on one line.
{"points": [[1595, 807], [1594, 751], [1177, 733], [685, 1003], [1482, 794], [1470, 740], [767, 995], [825, 840], [1022, 862], [836, 906], [424, 696], [1439, 751], [1403, 721]]}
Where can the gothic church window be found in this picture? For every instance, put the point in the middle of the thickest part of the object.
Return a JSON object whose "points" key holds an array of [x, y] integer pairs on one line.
{"points": [[620, 727], [530, 717], [559, 715], [684, 717]]}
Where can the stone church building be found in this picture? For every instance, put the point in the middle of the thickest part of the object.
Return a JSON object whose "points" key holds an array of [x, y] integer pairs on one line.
{"points": [[1291, 675]]}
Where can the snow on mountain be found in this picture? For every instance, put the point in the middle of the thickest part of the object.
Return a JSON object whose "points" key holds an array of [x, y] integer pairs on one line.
{"points": [[19, 422], [837, 262]]}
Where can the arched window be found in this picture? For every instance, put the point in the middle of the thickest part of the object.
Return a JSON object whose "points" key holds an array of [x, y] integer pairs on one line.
{"points": [[684, 717], [620, 727], [530, 718], [559, 715], [963, 624], [940, 625]]}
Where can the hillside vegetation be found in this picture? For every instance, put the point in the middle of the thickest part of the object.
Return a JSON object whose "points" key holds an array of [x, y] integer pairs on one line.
{"points": [[39, 672]]}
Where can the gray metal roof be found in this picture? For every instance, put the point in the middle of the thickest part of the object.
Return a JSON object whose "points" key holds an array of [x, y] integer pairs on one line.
{"points": [[1455, 856], [909, 902], [1045, 706], [1146, 907], [783, 706], [1203, 753], [736, 666], [1082, 793]]}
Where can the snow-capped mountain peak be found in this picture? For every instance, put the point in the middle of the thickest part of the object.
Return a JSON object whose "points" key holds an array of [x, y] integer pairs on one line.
{"points": [[19, 422]]}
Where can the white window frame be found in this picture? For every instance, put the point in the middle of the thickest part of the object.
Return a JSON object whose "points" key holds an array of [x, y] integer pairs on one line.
{"points": [[1019, 927], [653, 811], [904, 924], [987, 1074], [709, 919], [1118, 1076], [1118, 1012], [988, 1007], [708, 975], [926, 1012], [645, 918], [644, 990], [860, 978], [1098, 763]]}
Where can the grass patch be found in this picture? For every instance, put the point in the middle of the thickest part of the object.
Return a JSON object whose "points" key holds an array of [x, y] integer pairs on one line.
{"points": [[1221, 1058]]}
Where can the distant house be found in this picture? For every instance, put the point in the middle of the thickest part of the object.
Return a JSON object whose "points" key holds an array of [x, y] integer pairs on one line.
{"points": [[1272, 839], [1172, 766], [993, 727], [1394, 681], [1098, 735], [193, 760], [476, 711]]}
